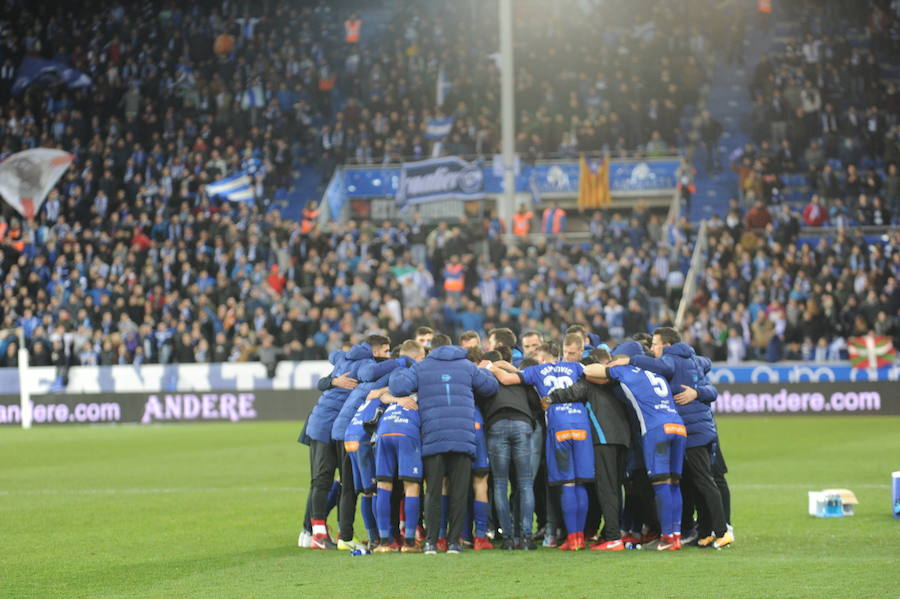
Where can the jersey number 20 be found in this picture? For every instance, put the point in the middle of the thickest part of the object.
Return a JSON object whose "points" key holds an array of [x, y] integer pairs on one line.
{"points": [[557, 382]]}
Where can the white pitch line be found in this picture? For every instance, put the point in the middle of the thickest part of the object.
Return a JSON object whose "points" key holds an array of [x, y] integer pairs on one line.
{"points": [[149, 491], [810, 486], [245, 489]]}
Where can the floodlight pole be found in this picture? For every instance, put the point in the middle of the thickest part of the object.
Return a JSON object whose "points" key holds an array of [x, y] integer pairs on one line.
{"points": [[506, 200]]}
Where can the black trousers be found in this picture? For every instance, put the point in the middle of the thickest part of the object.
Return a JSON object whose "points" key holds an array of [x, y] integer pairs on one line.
{"points": [[609, 473], [323, 460], [700, 484], [347, 505], [719, 469], [457, 467]]}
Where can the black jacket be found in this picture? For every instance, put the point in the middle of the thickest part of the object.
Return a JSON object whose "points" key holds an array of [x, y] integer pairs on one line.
{"points": [[609, 418], [522, 399]]}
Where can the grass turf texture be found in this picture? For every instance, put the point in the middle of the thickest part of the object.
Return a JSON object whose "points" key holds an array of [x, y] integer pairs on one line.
{"points": [[213, 510]]}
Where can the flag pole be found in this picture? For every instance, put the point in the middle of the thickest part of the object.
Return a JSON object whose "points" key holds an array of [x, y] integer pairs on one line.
{"points": [[507, 199], [24, 391]]}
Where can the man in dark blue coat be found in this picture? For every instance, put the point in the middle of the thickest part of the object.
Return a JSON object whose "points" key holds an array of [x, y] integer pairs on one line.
{"points": [[446, 383], [684, 369], [325, 455]]}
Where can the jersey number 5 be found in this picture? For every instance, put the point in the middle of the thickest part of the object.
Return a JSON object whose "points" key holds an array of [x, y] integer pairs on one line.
{"points": [[658, 383]]}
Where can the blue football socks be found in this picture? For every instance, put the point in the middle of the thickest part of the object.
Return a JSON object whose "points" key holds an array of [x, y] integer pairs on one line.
{"points": [[482, 509], [368, 515], [664, 507], [383, 513], [411, 509], [676, 507], [581, 495], [569, 504]]}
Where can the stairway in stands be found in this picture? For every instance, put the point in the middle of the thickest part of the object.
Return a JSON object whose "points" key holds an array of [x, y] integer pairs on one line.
{"points": [[729, 103]]}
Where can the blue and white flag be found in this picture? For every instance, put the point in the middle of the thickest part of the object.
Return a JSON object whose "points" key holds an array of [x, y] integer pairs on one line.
{"points": [[443, 87], [48, 72], [252, 165], [236, 188], [439, 128]]}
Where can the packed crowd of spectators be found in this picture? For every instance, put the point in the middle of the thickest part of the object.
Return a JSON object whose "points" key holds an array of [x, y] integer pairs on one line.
{"points": [[771, 294], [825, 119], [129, 262], [233, 284]]}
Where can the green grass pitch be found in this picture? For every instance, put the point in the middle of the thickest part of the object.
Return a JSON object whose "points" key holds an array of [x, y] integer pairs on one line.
{"points": [[213, 510]]}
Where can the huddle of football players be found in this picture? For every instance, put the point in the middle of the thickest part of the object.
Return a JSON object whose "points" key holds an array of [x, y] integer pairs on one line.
{"points": [[448, 446]]}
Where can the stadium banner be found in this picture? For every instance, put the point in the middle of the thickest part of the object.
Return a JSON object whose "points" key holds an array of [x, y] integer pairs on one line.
{"points": [[152, 408], [799, 372], [547, 178], [450, 178], [814, 399], [178, 378], [864, 398], [150, 378]]}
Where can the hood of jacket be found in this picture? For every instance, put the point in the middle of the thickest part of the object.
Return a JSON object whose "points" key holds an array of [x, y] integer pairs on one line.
{"points": [[629, 348], [680, 349], [448, 352], [359, 352]]}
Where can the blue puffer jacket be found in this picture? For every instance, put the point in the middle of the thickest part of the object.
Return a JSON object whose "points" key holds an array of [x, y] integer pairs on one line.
{"points": [[318, 427], [681, 366], [372, 375], [446, 383]]}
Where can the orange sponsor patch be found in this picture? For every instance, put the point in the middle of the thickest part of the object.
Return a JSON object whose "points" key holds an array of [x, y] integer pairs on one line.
{"points": [[477, 426], [675, 429], [351, 445], [574, 435]]}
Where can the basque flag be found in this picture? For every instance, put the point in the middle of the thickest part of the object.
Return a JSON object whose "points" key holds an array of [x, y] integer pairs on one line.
{"points": [[236, 188], [871, 351]]}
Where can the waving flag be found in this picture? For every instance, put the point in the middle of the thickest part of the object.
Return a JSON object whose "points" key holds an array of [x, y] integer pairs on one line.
{"points": [[27, 177], [439, 128], [871, 351], [236, 188], [38, 70]]}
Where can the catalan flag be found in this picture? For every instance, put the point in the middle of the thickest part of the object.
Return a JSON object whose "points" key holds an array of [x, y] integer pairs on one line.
{"points": [[593, 187]]}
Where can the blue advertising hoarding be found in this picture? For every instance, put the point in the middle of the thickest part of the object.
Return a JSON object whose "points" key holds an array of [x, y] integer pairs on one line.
{"points": [[800, 372], [626, 177]]}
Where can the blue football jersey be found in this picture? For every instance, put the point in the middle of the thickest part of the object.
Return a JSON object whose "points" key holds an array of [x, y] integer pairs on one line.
{"points": [[558, 375], [398, 420], [649, 395], [553, 375], [355, 430]]}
